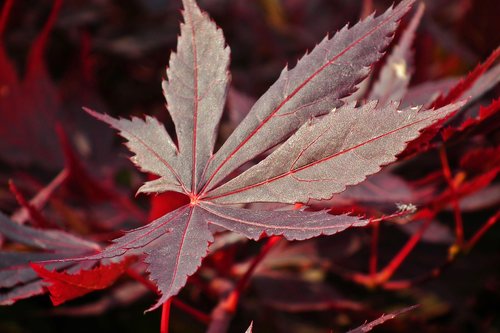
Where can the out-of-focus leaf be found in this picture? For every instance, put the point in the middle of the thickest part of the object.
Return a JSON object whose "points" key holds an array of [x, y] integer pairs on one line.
{"points": [[457, 92], [435, 233], [379, 321], [17, 278], [289, 293], [29, 106], [398, 68], [44, 239], [488, 116]]}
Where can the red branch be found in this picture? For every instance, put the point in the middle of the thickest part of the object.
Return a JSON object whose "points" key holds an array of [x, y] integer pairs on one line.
{"points": [[477, 236], [34, 214], [374, 249], [4, 16], [391, 268], [459, 228]]}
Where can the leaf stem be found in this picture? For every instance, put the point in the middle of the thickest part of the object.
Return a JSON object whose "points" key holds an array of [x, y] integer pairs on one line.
{"points": [[242, 283], [459, 228], [141, 279], [391, 268], [34, 214], [41, 198], [165, 316], [195, 313], [477, 236], [4, 16], [374, 249], [226, 308]]}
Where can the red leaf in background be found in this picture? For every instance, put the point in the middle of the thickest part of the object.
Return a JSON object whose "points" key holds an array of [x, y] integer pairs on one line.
{"points": [[481, 160], [471, 186], [29, 106], [463, 85], [485, 113], [64, 287], [423, 142]]}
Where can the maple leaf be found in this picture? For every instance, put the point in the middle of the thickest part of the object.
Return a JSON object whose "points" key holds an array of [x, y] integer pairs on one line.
{"points": [[64, 287], [325, 146]]}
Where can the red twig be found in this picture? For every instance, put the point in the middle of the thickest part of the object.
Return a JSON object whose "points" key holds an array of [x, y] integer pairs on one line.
{"points": [[34, 214], [233, 298], [242, 283], [41, 198], [459, 228], [374, 249], [477, 236], [405, 284], [224, 311], [142, 280], [4, 16], [36, 53], [165, 316], [391, 268], [195, 313]]}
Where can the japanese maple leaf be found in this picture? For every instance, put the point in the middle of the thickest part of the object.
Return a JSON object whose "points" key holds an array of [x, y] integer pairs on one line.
{"points": [[321, 145]]}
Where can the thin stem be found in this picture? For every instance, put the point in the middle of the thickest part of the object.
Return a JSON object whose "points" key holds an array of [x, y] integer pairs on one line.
{"points": [[374, 249], [234, 296], [405, 284], [195, 313], [165, 316], [4, 16], [142, 280], [223, 313], [34, 214], [477, 236], [38, 48], [459, 229], [391, 268], [42, 197], [242, 283]]}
